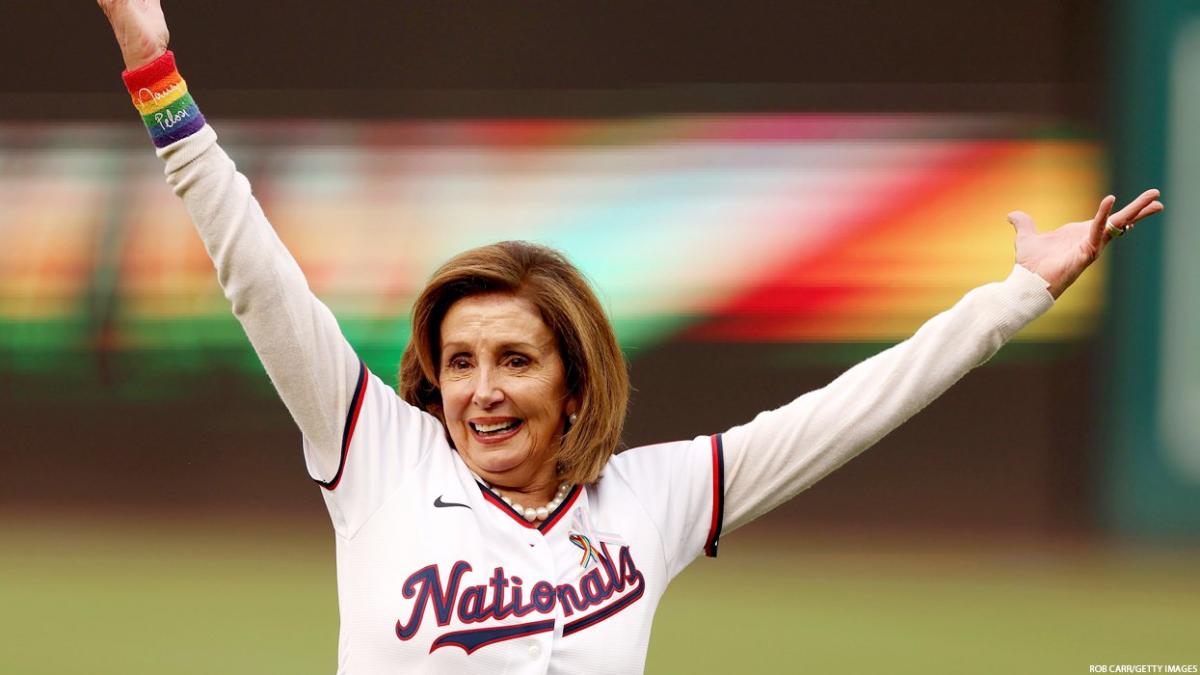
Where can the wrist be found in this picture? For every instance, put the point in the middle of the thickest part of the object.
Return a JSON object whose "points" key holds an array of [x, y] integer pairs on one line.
{"points": [[161, 96], [135, 61]]}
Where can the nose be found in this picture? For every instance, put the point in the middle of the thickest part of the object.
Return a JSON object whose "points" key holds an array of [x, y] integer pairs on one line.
{"points": [[487, 390]]}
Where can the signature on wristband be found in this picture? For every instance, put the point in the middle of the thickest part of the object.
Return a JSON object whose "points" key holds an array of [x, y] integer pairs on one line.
{"points": [[166, 119], [147, 95]]}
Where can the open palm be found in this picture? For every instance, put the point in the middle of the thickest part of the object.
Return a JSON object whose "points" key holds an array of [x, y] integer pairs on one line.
{"points": [[1061, 255]]}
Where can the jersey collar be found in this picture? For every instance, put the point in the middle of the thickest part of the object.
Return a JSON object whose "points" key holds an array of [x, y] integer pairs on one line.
{"points": [[545, 525]]}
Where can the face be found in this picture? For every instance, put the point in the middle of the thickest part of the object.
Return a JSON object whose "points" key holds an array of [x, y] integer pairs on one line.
{"points": [[504, 393]]}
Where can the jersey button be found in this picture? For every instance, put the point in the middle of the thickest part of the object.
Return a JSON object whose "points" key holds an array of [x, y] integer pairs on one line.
{"points": [[535, 651]]}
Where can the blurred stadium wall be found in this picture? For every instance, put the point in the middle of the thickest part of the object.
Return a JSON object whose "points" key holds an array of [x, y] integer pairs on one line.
{"points": [[762, 200], [1151, 391]]}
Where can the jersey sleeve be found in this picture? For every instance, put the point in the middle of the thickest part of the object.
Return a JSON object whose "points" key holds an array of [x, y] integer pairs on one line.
{"points": [[383, 440], [680, 486], [784, 451]]}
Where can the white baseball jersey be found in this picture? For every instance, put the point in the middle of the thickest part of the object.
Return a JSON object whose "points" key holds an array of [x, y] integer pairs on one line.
{"points": [[437, 575]]}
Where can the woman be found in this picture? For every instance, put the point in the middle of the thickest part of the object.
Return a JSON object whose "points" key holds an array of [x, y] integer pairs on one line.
{"points": [[483, 522]]}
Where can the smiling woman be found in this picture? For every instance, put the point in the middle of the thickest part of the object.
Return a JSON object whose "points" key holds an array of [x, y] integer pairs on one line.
{"points": [[512, 334], [485, 522], [504, 394]]}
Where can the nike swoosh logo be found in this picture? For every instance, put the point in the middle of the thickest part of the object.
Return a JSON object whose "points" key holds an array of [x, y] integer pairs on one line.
{"points": [[445, 505]]}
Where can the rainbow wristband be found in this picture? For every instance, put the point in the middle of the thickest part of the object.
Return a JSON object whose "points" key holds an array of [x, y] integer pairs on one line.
{"points": [[162, 97]]}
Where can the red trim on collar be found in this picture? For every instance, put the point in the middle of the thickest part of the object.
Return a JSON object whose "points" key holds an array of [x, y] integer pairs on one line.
{"points": [[561, 510], [545, 525]]}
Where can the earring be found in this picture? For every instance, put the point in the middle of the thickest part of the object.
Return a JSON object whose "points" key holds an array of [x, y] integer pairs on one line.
{"points": [[573, 418]]}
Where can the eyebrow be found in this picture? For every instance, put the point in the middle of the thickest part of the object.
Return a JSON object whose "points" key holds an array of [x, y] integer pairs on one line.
{"points": [[456, 347]]}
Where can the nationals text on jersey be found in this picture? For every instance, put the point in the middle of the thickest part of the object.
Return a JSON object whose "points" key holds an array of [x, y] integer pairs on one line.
{"points": [[504, 596]]}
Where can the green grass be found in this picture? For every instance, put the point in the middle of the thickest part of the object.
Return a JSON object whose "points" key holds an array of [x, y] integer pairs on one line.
{"points": [[947, 612], [100, 599], [114, 597]]}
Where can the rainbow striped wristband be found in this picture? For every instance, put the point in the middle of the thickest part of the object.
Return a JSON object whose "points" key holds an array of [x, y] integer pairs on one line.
{"points": [[162, 97]]}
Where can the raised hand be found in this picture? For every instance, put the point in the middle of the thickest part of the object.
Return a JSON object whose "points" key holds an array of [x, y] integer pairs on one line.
{"points": [[140, 29], [1061, 255]]}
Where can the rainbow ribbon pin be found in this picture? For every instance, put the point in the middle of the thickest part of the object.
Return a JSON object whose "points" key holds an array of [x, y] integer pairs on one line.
{"points": [[590, 554]]}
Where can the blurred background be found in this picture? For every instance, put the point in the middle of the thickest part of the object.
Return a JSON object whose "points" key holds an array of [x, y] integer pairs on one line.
{"points": [[764, 193]]}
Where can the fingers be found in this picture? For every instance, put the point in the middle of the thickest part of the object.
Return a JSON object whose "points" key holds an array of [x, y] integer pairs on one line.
{"points": [[1145, 205], [1131, 211], [1151, 209], [1097, 235], [1022, 222]]}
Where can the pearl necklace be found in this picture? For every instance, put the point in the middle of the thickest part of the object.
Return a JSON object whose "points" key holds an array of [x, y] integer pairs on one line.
{"points": [[542, 512]]}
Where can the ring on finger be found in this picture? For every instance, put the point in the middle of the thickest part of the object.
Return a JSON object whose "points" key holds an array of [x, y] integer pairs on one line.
{"points": [[1113, 230]]}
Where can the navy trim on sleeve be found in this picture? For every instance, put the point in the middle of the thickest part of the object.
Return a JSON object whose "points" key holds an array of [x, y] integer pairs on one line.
{"points": [[718, 497], [356, 401]]}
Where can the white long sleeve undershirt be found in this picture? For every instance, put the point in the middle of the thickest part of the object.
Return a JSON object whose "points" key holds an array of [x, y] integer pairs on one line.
{"points": [[784, 451], [294, 334]]}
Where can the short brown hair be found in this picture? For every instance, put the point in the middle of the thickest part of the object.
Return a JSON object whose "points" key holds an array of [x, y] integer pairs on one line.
{"points": [[595, 368]]}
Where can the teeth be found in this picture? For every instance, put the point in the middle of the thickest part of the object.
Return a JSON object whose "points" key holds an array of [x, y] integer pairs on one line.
{"points": [[491, 428]]}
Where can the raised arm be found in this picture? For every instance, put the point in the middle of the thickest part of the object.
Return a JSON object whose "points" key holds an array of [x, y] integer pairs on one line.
{"points": [[295, 335], [784, 451]]}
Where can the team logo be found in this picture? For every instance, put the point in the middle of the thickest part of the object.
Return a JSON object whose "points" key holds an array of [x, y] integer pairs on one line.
{"points": [[612, 584]]}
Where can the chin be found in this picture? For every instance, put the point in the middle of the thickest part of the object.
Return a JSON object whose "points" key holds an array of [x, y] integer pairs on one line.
{"points": [[497, 460], [496, 465]]}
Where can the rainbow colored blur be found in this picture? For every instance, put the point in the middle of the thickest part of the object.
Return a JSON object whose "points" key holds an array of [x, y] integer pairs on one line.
{"points": [[779, 228]]}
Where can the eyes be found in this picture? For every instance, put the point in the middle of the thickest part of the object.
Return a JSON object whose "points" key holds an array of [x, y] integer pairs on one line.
{"points": [[462, 362]]}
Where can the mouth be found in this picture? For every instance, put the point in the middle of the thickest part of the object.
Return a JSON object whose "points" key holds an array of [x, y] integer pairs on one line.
{"points": [[494, 430]]}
